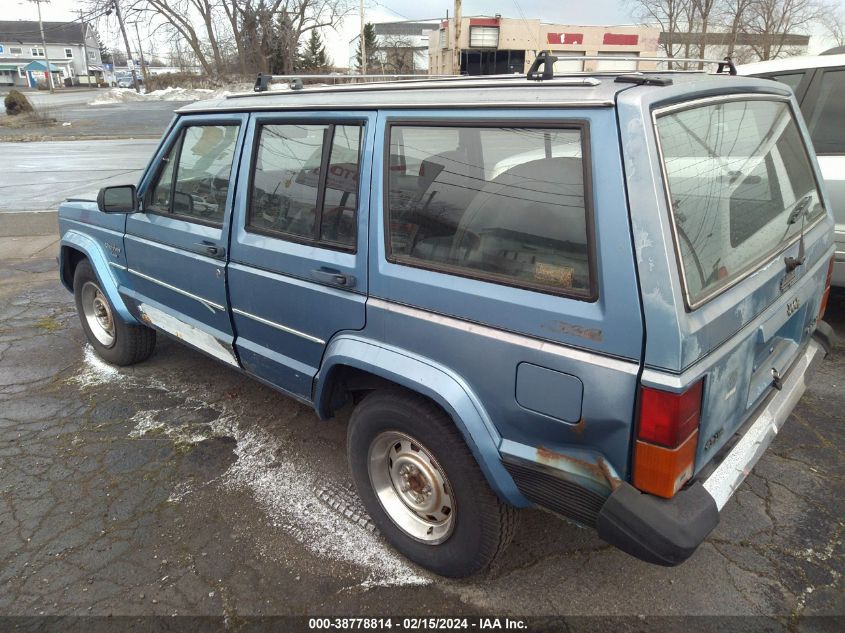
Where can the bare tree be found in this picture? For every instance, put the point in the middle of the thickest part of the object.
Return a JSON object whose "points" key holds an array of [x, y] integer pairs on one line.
{"points": [[833, 22], [744, 29], [669, 15], [732, 20], [773, 20], [397, 55], [268, 32], [704, 10]]}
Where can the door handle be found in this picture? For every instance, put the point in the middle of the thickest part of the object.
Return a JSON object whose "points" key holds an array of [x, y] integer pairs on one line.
{"points": [[210, 249], [333, 277]]}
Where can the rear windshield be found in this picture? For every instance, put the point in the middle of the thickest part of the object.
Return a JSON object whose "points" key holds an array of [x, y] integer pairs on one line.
{"points": [[740, 186]]}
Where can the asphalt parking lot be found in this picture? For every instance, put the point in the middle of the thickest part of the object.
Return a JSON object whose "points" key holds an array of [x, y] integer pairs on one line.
{"points": [[114, 120], [182, 487]]}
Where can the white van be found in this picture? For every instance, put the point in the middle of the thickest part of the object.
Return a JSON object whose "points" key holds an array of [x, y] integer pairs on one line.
{"points": [[818, 82]]}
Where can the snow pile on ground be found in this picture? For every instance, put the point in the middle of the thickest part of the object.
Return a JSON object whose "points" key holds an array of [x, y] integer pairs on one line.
{"points": [[95, 371], [126, 95]]}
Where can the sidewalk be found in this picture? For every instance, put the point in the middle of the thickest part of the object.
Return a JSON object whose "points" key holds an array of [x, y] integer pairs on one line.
{"points": [[32, 247], [28, 223]]}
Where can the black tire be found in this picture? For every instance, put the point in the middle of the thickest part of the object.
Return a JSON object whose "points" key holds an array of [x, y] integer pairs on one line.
{"points": [[130, 343], [483, 524]]}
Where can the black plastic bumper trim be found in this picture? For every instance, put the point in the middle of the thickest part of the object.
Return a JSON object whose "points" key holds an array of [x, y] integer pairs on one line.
{"points": [[553, 492], [661, 531], [825, 335]]}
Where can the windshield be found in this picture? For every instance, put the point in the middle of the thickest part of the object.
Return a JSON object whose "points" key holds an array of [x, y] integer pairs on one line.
{"points": [[740, 185]]}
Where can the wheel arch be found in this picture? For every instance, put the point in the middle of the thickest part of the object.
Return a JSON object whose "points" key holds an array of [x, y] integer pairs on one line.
{"points": [[374, 365], [75, 247]]}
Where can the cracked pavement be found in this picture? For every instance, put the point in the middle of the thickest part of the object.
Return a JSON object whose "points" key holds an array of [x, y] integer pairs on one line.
{"points": [[180, 486]]}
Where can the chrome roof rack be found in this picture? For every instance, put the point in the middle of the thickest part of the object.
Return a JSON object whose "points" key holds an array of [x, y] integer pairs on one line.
{"points": [[263, 81], [405, 82], [547, 61]]}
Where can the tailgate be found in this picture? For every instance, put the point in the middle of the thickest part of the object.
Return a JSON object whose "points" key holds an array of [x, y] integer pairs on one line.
{"points": [[749, 240]]}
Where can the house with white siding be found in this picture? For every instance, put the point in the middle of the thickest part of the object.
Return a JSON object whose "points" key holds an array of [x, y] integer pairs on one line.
{"points": [[73, 54]]}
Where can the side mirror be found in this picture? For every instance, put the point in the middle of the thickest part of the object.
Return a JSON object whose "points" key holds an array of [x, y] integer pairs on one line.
{"points": [[183, 203], [121, 199]]}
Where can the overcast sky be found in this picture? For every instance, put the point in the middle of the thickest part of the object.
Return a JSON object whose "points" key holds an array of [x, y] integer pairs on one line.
{"points": [[562, 11]]}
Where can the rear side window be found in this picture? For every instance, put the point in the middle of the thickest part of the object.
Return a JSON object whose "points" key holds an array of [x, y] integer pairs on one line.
{"points": [[305, 183], [793, 80], [503, 204], [827, 122], [740, 185]]}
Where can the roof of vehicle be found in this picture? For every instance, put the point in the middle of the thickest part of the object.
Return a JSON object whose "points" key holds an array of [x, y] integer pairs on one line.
{"points": [[581, 90], [792, 63]]}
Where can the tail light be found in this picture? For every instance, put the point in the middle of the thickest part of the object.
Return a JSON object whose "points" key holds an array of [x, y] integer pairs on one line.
{"points": [[667, 437], [826, 294]]}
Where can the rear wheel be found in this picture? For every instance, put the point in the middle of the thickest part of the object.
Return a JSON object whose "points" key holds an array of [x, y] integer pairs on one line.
{"points": [[114, 340], [422, 486]]}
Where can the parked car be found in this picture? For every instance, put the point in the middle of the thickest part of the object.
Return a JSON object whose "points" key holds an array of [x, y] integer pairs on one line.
{"points": [[819, 85], [597, 295], [127, 82]]}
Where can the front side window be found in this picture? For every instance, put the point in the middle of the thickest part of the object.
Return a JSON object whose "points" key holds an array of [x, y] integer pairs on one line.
{"points": [[827, 123], [740, 184], [69, 53], [305, 182], [37, 52], [193, 181], [502, 204], [15, 51]]}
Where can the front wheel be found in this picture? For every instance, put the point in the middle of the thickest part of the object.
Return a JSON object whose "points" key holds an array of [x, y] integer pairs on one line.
{"points": [[114, 340], [422, 486]]}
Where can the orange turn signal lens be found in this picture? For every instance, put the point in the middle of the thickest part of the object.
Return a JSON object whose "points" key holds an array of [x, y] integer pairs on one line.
{"points": [[662, 471]]}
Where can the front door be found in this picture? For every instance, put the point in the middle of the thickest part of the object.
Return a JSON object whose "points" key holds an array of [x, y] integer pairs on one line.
{"points": [[298, 261], [176, 246]]}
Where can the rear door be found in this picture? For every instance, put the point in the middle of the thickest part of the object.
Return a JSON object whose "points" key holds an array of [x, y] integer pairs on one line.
{"points": [[747, 236], [297, 271], [176, 246]]}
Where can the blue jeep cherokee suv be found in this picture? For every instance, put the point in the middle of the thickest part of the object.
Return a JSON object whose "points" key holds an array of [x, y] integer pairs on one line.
{"points": [[600, 295]]}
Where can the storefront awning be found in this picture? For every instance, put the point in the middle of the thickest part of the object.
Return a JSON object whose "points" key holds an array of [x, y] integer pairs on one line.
{"points": [[39, 66], [8, 67]]}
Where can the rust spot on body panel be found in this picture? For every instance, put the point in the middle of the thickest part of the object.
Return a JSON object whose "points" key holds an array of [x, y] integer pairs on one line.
{"points": [[600, 471], [592, 334]]}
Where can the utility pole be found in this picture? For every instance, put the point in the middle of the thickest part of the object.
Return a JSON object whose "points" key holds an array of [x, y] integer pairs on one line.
{"points": [[141, 53], [85, 48], [126, 43], [363, 42], [456, 50], [44, 44]]}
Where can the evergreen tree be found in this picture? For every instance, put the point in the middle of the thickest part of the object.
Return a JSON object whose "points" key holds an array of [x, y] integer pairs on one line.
{"points": [[373, 65], [313, 55], [105, 54]]}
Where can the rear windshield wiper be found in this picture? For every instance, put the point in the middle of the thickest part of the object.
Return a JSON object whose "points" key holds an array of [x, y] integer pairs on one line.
{"points": [[799, 211]]}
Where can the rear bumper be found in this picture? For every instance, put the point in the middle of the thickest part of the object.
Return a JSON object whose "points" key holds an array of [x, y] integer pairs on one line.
{"points": [[668, 531], [838, 277]]}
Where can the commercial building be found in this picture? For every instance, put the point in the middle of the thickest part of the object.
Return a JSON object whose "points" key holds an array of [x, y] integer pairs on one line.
{"points": [[401, 47], [495, 45], [73, 54]]}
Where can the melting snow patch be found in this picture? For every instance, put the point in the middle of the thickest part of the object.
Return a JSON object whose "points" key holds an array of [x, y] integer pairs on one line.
{"points": [[95, 371], [126, 95], [285, 491]]}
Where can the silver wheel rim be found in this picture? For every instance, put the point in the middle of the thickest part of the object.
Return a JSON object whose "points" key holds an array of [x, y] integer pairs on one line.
{"points": [[98, 313], [411, 487]]}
